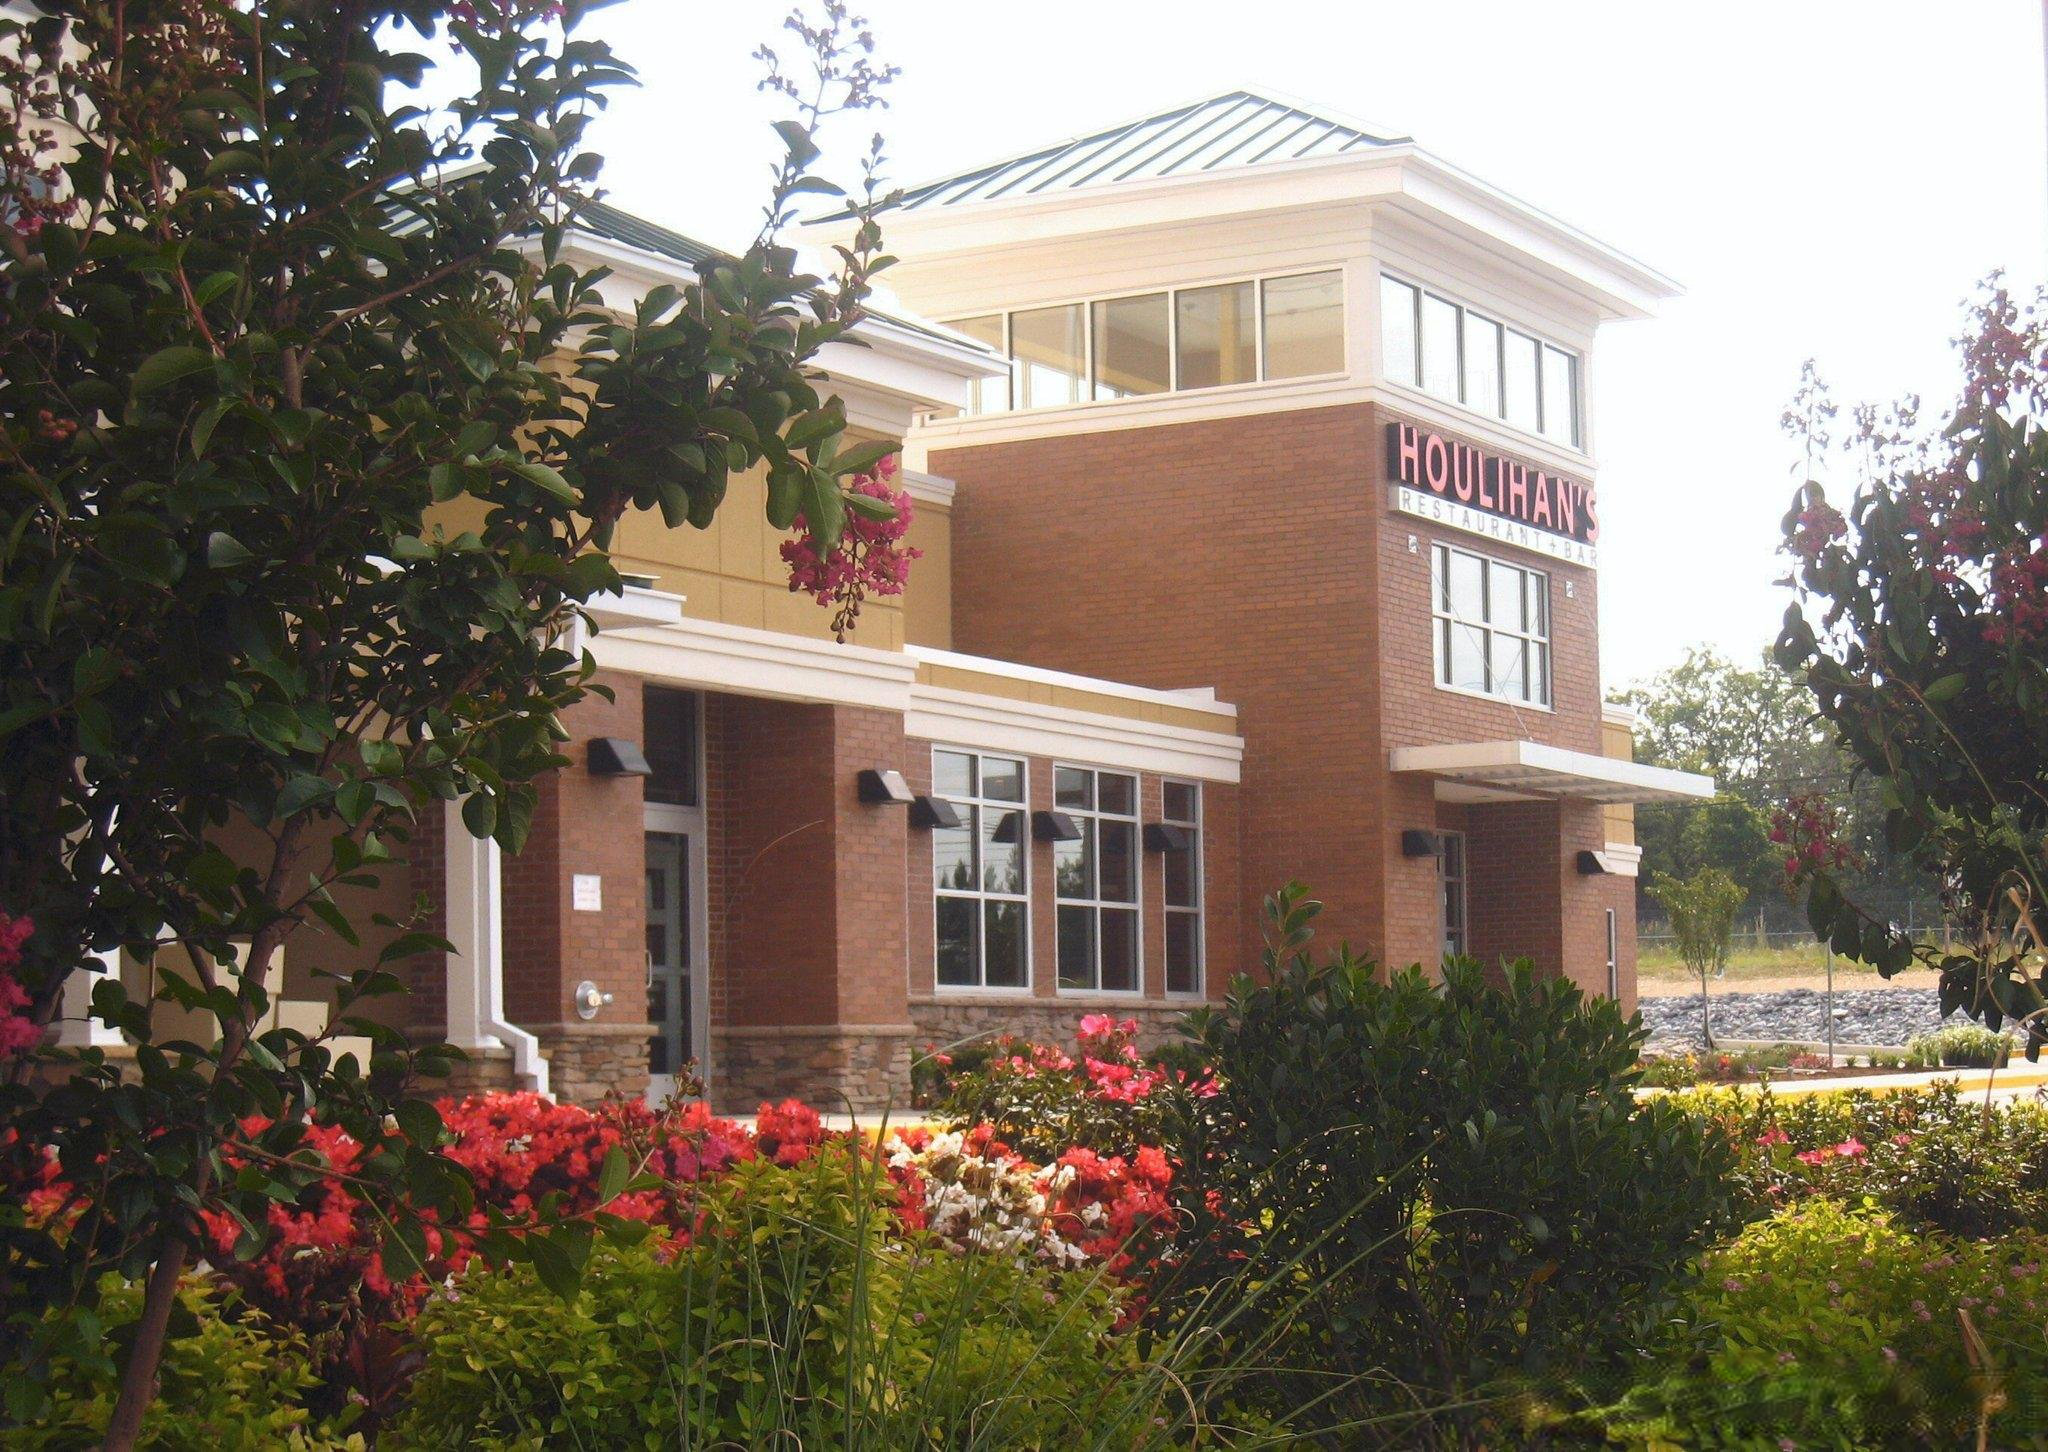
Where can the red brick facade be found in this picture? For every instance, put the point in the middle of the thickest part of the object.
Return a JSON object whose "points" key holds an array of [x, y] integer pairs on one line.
{"points": [[1260, 555]]}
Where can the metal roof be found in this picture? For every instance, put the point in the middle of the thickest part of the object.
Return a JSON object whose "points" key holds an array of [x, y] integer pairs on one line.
{"points": [[1235, 129]]}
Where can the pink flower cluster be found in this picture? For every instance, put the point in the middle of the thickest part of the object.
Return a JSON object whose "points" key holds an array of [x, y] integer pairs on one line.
{"points": [[18, 1032], [1848, 1149], [870, 557], [1809, 826]]}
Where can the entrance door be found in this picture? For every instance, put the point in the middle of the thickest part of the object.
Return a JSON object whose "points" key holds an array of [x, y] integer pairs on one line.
{"points": [[671, 932]]}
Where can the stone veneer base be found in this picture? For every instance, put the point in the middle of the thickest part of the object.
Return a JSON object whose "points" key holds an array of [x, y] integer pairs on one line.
{"points": [[587, 1061], [944, 1019], [864, 1068]]}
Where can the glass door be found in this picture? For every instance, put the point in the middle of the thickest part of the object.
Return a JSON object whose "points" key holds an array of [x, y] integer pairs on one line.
{"points": [[671, 1048]]}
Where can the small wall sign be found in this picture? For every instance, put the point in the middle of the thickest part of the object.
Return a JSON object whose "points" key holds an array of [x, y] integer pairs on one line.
{"points": [[1434, 477], [586, 892]]}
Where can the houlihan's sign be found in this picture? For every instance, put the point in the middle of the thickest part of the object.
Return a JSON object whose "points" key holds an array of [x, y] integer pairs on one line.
{"points": [[1437, 478]]}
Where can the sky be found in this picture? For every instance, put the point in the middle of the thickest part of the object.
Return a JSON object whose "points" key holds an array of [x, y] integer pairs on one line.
{"points": [[1827, 179]]}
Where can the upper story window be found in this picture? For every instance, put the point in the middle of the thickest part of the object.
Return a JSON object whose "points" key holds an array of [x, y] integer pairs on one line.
{"points": [[1159, 342], [1445, 348], [978, 872], [1492, 625]]}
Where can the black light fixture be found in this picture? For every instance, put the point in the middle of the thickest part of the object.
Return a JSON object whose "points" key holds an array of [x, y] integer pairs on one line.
{"points": [[1418, 843], [616, 756], [1055, 827], [881, 785], [934, 812], [1166, 837], [1591, 864]]}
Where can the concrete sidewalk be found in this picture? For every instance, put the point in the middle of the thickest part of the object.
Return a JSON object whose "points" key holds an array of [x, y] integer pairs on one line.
{"points": [[2014, 1081]]}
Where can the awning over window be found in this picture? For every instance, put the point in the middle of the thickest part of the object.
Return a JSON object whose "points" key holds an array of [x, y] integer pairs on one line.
{"points": [[1531, 769]]}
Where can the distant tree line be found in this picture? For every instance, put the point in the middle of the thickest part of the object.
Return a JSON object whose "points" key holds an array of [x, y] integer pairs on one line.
{"points": [[1754, 730]]}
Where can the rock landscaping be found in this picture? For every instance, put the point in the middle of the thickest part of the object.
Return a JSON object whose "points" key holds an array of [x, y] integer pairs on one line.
{"points": [[1886, 1016]]}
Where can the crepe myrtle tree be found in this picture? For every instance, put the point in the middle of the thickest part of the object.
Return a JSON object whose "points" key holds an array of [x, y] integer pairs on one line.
{"points": [[1702, 909], [1921, 628], [262, 311]]}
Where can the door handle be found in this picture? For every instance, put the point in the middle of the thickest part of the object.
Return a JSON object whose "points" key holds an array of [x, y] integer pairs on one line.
{"points": [[650, 967]]}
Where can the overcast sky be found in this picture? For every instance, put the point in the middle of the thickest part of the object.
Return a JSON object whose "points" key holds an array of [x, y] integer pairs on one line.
{"points": [[1827, 179]]}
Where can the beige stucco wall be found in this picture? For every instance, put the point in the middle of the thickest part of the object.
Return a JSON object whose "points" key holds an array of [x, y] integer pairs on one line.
{"points": [[1618, 742]]}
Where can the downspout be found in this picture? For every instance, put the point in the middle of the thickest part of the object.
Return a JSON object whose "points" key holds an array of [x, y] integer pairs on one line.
{"points": [[476, 926]]}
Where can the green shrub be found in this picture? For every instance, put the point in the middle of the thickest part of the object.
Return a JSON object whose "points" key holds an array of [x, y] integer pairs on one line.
{"points": [[1679, 1071], [1960, 1046], [1830, 1327], [1461, 1171], [1935, 1157], [227, 1385], [789, 1319]]}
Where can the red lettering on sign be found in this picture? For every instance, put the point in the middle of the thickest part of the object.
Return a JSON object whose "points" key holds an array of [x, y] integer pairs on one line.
{"points": [[1436, 464], [1497, 485], [1406, 451], [1539, 509], [1516, 496]]}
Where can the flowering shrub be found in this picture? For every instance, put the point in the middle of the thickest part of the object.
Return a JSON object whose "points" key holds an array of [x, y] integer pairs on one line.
{"points": [[1932, 1157], [870, 557], [18, 1032], [976, 1193], [1106, 1096]]}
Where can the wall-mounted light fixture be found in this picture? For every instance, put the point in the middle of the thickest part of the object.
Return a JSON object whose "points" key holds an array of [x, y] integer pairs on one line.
{"points": [[1166, 837], [935, 812], [1418, 843], [616, 756], [1593, 864], [1055, 827], [881, 785]]}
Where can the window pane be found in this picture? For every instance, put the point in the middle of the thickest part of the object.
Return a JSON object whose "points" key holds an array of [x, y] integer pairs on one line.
{"points": [[1503, 595], [1215, 335], [1518, 383], [1002, 851], [1179, 798], [1537, 610], [1508, 679], [986, 395], [1397, 331], [1051, 358], [1077, 947], [1071, 876], [1130, 346], [1539, 674], [1180, 878], [1465, 657], [1305, 325], [1439, 347], [956, 941], [953, 854], [1482, 364], [1560, 396], [1072, 787], [1004, 948], [953, 774], [1466, 597], [1119, 930], [1119, 793], [1117, 868], [668, 731], [1002, 778], [1182, 956]]}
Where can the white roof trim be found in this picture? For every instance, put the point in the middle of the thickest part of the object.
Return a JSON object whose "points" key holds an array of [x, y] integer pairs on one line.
{"points": [[751, 662], [1193, 698], [928, 488], [1534, 769], [1028, 728]]}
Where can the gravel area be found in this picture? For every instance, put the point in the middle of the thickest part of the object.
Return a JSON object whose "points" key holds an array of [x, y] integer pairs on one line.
{"points": [[1883, 1016]]}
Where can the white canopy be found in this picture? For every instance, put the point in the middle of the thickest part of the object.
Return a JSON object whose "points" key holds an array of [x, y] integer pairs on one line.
{"points": [[1531, 769]]}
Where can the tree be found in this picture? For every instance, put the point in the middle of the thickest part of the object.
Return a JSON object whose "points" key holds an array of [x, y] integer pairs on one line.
{"points": [[1754, 729], [1702, 908], [260, 316], [1921, 629]]}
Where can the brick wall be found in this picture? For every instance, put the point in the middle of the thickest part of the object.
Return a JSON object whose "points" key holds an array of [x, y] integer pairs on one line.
{"points": [[1260, 555]]}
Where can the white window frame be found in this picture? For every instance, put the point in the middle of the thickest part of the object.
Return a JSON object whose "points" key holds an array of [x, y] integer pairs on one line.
{"points": [[1462, 882], [1576, 442], [1135, 907], [1441, 616], [1197, 867], [1257, 282], [971, 808]]}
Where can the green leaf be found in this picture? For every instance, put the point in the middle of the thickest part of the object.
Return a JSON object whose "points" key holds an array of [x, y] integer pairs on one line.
{"points": [[166, 366], [612, 1175], [1947, 688], [224, 551], [540, 475], [480, 814], [419, 1121]]}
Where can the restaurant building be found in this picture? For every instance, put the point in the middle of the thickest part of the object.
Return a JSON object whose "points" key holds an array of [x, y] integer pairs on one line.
{"points": [[1255, 483]]}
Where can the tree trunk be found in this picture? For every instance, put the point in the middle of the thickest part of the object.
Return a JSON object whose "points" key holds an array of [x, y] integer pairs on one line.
{"points": [[1706, 1018], [138, 1377]]}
